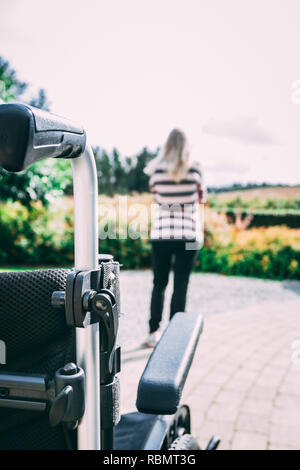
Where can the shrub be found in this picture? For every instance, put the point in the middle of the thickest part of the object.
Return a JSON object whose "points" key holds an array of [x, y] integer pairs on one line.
{"points": [[41, 237]]}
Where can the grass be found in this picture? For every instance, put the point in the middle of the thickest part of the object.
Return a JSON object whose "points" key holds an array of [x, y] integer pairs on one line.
{"points": [[24, 268]]}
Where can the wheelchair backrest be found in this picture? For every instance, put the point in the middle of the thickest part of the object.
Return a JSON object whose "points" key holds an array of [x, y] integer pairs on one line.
{"points": [[37, 341]]}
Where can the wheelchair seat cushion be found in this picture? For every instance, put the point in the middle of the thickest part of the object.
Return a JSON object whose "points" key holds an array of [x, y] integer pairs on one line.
{"points": [[133, 430], [142, 431]]}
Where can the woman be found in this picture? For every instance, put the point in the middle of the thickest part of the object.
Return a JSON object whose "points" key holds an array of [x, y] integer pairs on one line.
{"points": [[176, 230]]}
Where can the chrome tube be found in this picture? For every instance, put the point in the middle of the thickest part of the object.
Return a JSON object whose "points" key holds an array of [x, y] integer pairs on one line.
{"points": [[86, 257]]}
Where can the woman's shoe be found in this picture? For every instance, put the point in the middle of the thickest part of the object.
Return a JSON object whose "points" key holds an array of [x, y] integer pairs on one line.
{"points": [[152, 339]]}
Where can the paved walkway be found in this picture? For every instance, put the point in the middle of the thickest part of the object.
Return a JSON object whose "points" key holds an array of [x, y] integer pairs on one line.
{"points": [[243, 385]]}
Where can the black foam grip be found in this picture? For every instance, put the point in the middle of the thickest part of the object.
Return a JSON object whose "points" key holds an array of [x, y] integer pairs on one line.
{"points": [[45, 122], [28, 134], [14, 135]]}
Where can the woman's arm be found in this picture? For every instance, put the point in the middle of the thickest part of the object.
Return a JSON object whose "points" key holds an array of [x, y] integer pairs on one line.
{"points": [[202, 194], [198, 175], [152, 185]]}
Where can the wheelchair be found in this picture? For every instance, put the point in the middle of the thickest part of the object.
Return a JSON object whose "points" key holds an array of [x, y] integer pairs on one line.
{"points": [[59, 386]]}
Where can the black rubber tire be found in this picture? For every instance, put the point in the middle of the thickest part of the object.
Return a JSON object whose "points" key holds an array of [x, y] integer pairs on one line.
{"points": [[185, 442]]}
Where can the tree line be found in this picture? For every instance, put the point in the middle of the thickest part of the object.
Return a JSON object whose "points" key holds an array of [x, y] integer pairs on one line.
{"points": [[122, 175]]}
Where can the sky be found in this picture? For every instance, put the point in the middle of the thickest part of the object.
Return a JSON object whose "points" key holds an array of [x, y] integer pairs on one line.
{"points": [[131, 70]]}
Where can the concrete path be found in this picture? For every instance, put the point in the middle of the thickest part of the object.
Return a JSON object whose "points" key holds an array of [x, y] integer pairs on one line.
{"points": [[244, 383]]}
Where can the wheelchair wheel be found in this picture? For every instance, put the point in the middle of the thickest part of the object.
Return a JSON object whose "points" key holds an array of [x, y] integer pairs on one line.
{"points": [[185, 442]]}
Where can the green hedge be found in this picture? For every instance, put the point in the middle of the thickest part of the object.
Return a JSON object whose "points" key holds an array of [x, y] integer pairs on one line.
{"points": [[26, 237], [267, 264], [265, 212], [29, 238], [256, 204], [266, 218]]}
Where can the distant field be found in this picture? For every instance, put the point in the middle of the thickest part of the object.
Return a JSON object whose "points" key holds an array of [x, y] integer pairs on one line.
{"points": [[281, 192], [284, 192]]}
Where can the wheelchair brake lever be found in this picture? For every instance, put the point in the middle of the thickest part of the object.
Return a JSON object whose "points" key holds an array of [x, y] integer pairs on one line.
{"points": [[103, 304]]}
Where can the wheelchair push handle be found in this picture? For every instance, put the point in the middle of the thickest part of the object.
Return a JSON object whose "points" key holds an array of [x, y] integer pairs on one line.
{"points": [[28, 134]]}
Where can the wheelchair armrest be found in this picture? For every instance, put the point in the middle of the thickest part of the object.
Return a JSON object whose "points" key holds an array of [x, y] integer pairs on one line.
{"points": [[162, 382]]}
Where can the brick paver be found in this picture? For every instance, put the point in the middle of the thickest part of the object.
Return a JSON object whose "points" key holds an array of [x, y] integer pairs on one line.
{"points": [[243, 384]]}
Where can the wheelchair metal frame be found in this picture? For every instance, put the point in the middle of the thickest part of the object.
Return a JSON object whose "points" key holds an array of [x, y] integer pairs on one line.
{"points": [[86, 257]]}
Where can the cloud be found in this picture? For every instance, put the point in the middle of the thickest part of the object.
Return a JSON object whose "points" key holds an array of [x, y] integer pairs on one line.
{"points": [[244, 129], [227, 165]]}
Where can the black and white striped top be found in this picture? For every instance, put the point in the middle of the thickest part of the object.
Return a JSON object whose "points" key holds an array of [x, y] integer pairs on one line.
{"points": [[176, 215]]}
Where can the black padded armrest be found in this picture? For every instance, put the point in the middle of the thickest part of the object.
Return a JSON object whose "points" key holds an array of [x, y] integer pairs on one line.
{"points": [[162, 382]]}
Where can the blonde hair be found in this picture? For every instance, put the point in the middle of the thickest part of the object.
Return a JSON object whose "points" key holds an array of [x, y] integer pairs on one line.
{"points": [[174, 156]]}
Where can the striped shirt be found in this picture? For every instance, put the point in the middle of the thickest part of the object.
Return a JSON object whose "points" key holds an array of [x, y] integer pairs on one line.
{"points": [[176, 215]]}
